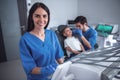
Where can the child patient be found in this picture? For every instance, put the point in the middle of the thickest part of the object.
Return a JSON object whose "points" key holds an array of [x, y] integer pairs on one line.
{"points": [[72, 44]]}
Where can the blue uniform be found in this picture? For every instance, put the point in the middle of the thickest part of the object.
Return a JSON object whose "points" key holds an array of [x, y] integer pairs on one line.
{"points": [[37, 53], [91, 36]]}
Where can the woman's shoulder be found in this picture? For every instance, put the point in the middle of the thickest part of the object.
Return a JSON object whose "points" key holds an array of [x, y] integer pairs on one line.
{"points": [[48, 31], [25, 36]]}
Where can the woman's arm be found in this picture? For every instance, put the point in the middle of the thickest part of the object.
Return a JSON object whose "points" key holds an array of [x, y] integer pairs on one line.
{"points": [[60, 61], [49, 69], [36, 70]]}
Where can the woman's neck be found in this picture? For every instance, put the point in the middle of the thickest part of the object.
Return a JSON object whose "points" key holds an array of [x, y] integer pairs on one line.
{"points": [[38, 32]]}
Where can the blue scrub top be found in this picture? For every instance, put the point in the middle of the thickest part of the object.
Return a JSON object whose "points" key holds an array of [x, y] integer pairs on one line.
{"points": [[37, 53], [91, 36]]}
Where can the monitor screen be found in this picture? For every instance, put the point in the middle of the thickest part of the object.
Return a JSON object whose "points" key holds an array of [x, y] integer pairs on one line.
{"points": [[103, 28]]}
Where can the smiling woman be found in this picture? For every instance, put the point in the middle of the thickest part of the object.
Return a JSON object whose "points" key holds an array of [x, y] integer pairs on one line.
{"points": [[39, 47], [40, 19]]}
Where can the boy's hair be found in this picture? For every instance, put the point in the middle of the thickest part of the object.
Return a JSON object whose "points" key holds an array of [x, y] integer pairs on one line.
{"points": [[61, 28]]}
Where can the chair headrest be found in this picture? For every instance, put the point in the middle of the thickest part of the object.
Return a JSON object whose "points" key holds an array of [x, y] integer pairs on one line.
{"points": [[61, 28]]}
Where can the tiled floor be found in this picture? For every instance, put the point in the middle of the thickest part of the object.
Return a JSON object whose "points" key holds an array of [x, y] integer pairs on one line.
{"points": [[12, 70]]}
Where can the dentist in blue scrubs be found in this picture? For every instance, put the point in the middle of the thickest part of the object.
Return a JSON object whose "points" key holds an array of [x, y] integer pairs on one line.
{"points": [[40, 50], [87, 34]]}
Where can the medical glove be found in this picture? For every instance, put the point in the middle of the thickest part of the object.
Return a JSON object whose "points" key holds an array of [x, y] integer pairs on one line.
{"points": [[78, 31]]}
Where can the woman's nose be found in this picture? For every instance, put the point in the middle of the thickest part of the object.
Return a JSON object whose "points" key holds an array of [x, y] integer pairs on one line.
{"points": [[41, 19]]}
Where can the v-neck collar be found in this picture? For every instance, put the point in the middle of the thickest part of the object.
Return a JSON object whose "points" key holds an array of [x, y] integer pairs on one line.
{"points": [[37, 37]]}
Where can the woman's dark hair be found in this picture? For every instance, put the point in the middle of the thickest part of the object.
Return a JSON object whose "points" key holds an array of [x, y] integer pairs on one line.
{"points": [[32, 10], [80, 19]]}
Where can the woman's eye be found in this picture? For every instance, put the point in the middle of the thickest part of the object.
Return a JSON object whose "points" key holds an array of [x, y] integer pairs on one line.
{"points": [[37, 16], [44, 16]]}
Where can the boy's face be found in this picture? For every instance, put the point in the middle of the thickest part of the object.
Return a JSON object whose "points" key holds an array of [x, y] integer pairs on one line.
{"points": [[67, 32]]}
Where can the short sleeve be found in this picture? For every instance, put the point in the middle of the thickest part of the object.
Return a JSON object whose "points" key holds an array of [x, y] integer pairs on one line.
{"points": [[92, 39], [65, 43]]}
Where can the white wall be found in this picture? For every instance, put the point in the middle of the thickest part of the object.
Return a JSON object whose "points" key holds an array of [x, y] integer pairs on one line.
{"points": [[60, 10], [97, 11]]}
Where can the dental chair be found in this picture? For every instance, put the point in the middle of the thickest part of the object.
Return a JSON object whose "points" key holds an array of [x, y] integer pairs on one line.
{"points": [[61, 39], [101, 64]]}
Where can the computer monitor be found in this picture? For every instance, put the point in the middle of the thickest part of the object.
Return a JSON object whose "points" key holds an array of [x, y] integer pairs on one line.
{"points": [[104, 29]]}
